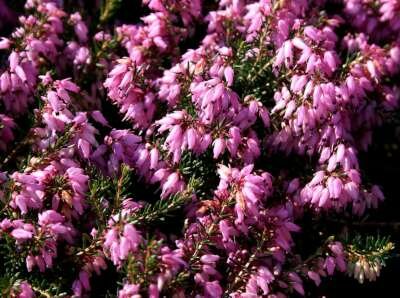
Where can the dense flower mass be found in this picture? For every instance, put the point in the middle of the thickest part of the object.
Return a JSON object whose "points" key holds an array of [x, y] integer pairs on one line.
{"points": [[181, 152]]}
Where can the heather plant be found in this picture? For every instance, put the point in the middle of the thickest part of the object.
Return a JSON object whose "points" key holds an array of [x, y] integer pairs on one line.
{"points": [[192, 148]]}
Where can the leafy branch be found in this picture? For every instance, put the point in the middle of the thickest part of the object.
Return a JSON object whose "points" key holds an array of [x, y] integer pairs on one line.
{"points": [[159, 211]]}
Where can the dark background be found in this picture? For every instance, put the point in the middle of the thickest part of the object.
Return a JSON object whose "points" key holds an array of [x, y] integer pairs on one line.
{"points": [[382, 164]]}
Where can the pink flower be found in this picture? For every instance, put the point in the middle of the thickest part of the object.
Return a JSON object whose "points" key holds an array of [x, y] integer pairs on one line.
{"points": [[134, 102], [219, 147], [82, 56], [207, 259], [25, 290], [4, 43], [212, 289], [79, 26], [119, 244], [21, 234], [129, 291], [228, 73]]}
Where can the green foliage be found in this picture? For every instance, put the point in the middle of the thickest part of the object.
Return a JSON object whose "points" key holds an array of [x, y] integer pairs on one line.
{"points": [[374, 248], [201, 168], [122, 185], [106, 194], [101, 188], [252, 64], [367, 255], [141, 267]]}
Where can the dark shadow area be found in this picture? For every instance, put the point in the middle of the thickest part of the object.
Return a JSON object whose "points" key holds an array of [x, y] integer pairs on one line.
{"points": [[381, 164]]}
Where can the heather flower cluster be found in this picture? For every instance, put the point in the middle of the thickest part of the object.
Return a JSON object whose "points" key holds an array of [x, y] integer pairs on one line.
{"points": [[180, 153]]}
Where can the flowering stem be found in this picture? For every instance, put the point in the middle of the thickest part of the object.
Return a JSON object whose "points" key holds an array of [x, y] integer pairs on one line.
{"points": [[184, 275], [109, 9], [246, 268]]}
